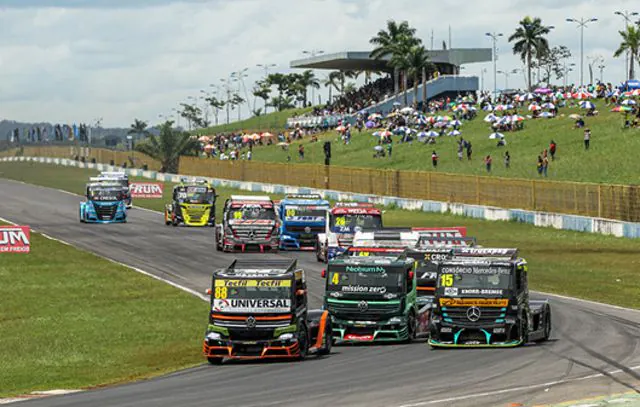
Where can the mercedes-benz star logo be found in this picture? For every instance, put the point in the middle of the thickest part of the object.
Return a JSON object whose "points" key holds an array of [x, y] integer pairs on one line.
{"points": [[251, 234], [251, 322], [363, 306], [307, 229], [473, 314]]}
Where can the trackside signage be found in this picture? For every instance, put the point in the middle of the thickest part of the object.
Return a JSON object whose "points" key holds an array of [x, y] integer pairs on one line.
{"points": [[15, 239], [146, 189]]}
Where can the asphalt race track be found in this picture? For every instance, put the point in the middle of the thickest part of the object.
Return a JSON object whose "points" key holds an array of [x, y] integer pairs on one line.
{"points": [[589, 341]]}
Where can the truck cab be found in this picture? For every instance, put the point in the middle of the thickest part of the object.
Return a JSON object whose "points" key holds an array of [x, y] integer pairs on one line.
{"points": [[343, 220], [259, 311], [121, 178], [482, 300], [373, 299], [303, 217], [193, 203], [105, 203], [248, 222]]}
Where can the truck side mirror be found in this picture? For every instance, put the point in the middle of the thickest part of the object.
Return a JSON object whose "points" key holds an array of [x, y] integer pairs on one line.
{"points": [[323, 274], [208, 292], [301, 292]]}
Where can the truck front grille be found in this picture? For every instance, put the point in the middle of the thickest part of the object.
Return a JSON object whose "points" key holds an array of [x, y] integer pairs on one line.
{"points": [[458, 315], [106, 212], [373, 312]]}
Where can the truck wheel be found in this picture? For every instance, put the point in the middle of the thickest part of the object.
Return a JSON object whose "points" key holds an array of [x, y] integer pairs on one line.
{"points": [[167, 221], [303, 342], [328, 340], [547, 325], [411, 327], [318, 253], [214, 361], [524, 330]]}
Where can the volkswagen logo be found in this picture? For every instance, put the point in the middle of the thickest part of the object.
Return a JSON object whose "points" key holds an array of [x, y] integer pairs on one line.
{"points": [[251, 322], [307, 229], [363, 306], [473, 314]]}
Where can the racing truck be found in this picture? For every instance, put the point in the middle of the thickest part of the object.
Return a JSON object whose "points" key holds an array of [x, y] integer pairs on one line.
{"points": [[373, 299], [303, 218], [193, 203], [259, 311], [248, 222], [121, 178], [343, 220], [105, 203], [482, 300]]}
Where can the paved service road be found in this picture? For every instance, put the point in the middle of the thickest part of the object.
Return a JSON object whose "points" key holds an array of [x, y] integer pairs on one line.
{"points": [[588, 342]]}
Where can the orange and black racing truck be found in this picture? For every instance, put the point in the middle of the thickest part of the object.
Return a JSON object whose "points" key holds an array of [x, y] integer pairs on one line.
{"points": [[259, 311]]}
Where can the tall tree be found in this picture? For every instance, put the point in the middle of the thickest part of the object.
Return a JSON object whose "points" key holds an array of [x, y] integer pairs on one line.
{"points": [[530, 42], [262, 90], [552, 62], [138, 127], [168, 146], [216, 105], [417, 61], [308, 80], [631, 43]]}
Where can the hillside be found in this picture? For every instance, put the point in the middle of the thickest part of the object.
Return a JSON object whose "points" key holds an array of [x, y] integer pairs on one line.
{"points": [[274, 121], [612, 157]]}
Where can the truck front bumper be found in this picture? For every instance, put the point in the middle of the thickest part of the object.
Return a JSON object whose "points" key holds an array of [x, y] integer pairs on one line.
{"points": [[275, 349], [446, 334], [392, 330]]}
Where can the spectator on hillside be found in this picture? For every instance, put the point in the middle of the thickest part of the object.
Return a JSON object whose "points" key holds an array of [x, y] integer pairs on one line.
{"points": [[469, 151], [389, 149], [552, 150], [487, 163], [459, 151], [545, 165], [539, 165], [301, 152], [434, 159], [587, 138], [507, 160]]}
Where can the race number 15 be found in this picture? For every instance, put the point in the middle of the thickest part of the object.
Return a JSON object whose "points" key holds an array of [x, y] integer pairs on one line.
{"points": [[446, 280]]}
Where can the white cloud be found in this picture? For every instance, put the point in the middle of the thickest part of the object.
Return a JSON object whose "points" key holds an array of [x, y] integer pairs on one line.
{"points": [[120, 59]]}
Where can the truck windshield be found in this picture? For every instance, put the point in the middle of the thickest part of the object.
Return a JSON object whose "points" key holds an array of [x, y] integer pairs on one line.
{"points": [[102, 193], [251, 212], [257, 296], [472, 280], [307, 213], [195, 195], [369, 283], [348, 222]]}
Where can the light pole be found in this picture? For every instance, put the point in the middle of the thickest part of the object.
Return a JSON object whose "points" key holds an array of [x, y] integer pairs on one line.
{"points": [[506, 78], [566, 70], [227, 88], [266, 68], [582, 23], [482, 72], [494, 36], [313, 53], [627, 20], [215, 109]]}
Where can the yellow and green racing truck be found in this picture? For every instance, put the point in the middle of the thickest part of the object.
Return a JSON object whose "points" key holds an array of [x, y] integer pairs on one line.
{"points": [[193, 203]]}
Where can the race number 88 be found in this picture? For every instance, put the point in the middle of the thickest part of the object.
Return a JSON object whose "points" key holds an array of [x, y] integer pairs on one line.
{"points": [[220, 293], [446, 280]]}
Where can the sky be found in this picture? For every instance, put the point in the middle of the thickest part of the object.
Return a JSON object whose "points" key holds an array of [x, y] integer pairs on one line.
{"points": [[80, 60]]}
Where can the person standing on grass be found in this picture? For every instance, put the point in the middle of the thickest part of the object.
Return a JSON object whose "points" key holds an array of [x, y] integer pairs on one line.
{"points": [[301, 152], [539, 165], [469, 150], [389, 149], [487, 163], [545, 165], [507, 160], [434, 159], [587, 138], [552, 150]]}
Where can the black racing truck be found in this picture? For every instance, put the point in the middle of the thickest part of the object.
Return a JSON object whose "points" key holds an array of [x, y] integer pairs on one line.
{"points": [[259, 311], [482, 300]]}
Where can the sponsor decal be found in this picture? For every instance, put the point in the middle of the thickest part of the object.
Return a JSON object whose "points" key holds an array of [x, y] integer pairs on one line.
{"points": [[258, 305], [474, 302], [363, 289], [363, 306], [15, 239], [365, 269], [490, 252], [451, 291], [150, 190], [475, 270], [480, 291], [352, 337], [253, 283]]}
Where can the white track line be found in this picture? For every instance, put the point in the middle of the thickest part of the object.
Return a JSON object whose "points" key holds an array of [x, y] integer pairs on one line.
{"points": [[511, 390]]}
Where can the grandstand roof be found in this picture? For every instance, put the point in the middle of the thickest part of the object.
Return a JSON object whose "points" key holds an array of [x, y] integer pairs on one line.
{"points": [[361, 61]]}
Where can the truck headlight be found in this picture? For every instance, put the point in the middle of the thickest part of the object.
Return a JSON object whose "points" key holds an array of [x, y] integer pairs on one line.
{"points": [[285, 337], [510, 321], [214, 336], [396, 320]]}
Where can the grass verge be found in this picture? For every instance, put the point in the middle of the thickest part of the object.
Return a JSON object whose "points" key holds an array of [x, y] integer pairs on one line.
{"points": [[73, 320], [583, 265]]}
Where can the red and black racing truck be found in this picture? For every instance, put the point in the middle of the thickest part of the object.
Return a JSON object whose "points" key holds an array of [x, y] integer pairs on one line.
{"points": [[248, 223]]}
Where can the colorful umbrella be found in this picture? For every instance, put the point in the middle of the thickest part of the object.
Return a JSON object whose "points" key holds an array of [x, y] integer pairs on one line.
{"points": [[581, 95], [490, 118], [534, 107], [454, 133], [587, 105], [494, 136], [629, 102], [547, 115], [548, 105]]}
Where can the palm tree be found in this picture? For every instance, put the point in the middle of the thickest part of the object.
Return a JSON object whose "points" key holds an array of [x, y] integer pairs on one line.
{"points": [[630, 43], [138, 127], [400, 62], [168, 146], [529, 41], [397, 38], [308, 79], [417, 62]]}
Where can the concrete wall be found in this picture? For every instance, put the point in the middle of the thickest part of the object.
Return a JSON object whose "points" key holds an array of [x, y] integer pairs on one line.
{"points": [[542, 219]]}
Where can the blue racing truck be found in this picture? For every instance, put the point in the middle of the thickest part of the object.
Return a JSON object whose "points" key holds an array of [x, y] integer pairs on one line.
{"points": [[105, 203], [303, 218]]}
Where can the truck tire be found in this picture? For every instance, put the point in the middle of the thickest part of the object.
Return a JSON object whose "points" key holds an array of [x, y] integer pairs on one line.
{"points": [[318, 248], [166, 218], [328, 340], [547, 324], [215, 361], [303, 342], [411, 328], [524, 330], [218, 238]]}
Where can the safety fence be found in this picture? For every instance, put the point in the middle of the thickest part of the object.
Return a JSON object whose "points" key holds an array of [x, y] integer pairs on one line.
{"points": [[621, 202]]}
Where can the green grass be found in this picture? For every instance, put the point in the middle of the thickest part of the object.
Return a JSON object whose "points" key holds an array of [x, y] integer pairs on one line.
{"points": [[611, 159], [73, 320], [274, 121], [589, 266]]}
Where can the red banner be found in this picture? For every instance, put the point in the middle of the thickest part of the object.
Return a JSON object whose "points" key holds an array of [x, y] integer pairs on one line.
{"points": [[146, 189], [15, 239]]}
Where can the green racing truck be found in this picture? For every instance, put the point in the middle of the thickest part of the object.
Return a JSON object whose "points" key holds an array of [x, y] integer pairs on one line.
{"points": [[482, 300], [373, 299]]}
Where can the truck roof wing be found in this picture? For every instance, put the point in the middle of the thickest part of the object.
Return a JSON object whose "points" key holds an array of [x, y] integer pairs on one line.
{"points": [[447, 242], [250, 198], [250, 267], [314, 197], [486, 252], [354, 205]]}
